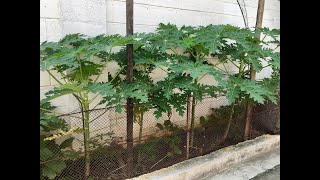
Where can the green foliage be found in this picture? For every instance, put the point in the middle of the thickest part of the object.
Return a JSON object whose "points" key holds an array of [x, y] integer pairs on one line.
{"points": [[85, 57], [51, 169], [171, 141], [48, 120], [101, 88], [169, 126], [100, 141], [245, 51], [182, 53], [148, 150], [256, 91], [80, 61], [67, 143], [52, 154], [219, 116], [51, 157]]}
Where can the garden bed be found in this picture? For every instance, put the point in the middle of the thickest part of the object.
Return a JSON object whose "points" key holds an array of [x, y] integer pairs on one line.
{"points": [[152, 154]]}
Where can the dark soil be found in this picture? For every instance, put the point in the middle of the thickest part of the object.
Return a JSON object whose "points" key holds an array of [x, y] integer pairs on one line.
{"points": [[160, 152], [267, 118], [105, 163]]}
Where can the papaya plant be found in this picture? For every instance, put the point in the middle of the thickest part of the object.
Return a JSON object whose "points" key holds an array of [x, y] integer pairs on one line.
{"points": [[240, 48], [184, 70], [229, 44], [183, 54], [80, 61]]}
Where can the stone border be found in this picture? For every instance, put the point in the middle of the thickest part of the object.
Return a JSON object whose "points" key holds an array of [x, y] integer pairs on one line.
{"points": [[198, 167]]}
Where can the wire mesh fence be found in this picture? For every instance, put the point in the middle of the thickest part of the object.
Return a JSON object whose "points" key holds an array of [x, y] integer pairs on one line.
{"points": [[266, 120], [158, 143]]}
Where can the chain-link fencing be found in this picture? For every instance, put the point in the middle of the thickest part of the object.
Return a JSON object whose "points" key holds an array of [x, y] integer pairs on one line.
{"points": [[158, 143]]}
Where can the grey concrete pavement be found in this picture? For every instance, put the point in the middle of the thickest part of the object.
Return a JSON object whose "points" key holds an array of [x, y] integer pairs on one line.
{"points": [[272, 174], [259, 167]]}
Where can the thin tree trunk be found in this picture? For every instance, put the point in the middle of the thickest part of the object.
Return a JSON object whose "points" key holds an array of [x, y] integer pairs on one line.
{"points": [[129, 27], [140, 137], [249, 112], [86, 135], [87, 145], [192, 120], [188, 131], [141, 127], [226, 132], [84, 106]]}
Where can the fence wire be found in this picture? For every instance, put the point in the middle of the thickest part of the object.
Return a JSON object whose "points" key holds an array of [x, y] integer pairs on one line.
{"points": [[163, 141]]}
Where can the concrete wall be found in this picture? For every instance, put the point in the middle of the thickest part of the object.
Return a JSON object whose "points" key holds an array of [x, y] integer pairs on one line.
{"points": [[93, 17]]}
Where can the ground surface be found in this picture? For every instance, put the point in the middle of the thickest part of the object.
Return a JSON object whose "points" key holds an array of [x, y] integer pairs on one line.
{"points": [[272, 174], [261, 167]]}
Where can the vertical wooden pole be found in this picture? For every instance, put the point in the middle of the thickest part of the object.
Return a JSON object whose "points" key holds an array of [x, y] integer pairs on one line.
{"points": [[187, 123], [249, 112], [129, 27]]}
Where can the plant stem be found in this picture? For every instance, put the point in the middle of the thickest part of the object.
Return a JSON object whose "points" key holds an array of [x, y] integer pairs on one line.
{"points": [[226, 69], [244, 13], [241, 69], [276, 47], [264, 37], [96, 105], [249, 110], [193, 55], [159, 161], [140, 136], [117, 74], [233, 63], [202, 76], [163, 69], [64, 77], [225, 135], [216, 66], [141, 126], [94, 98], [80, 65], [188, 132], [192, 118], [193, 108], [266, 66], [54, 77], [174, 51], [86, 134]]}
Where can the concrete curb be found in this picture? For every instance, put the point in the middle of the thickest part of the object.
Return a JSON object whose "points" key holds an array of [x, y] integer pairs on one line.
{"points": [[199, 167]]}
